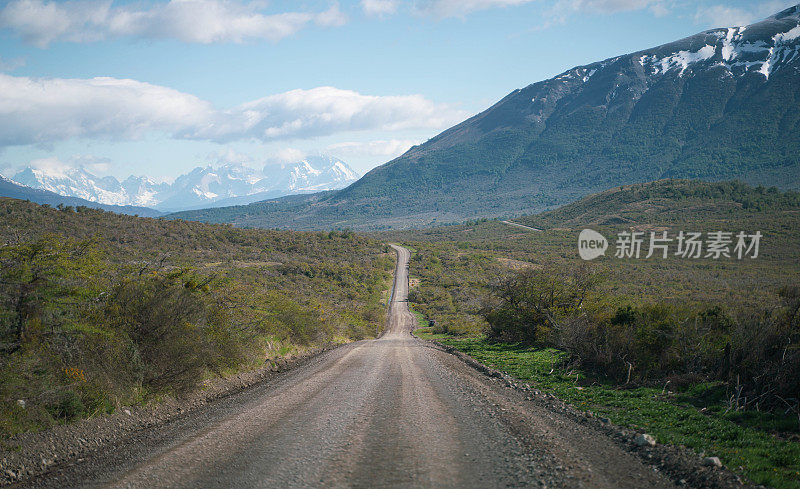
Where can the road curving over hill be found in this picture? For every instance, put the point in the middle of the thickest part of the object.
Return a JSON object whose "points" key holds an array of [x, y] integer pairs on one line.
{"points": [[391, 412]]}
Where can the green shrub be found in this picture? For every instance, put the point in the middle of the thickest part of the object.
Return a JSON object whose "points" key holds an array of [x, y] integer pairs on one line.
{"points": [[532, 303], [68, 407], [169, 321], [755, 352]]}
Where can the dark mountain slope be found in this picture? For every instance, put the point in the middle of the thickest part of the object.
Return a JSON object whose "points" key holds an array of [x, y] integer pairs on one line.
{"points": [[722, 104]]}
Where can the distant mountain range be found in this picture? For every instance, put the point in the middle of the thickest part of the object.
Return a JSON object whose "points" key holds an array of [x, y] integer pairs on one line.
{"points": [[9, 188], [202, 187], [722, 104]]}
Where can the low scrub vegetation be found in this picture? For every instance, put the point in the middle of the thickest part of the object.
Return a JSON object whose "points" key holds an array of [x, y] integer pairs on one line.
{"points": [[99, 310], [755, 352]]}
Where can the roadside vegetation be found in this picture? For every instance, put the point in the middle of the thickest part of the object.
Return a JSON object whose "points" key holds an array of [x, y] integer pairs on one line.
{"points": [[761, 446], [703, 353], [100, 310]]}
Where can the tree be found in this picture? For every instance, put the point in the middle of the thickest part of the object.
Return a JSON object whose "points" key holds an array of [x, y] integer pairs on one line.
{"points": [[533, 302], [36, 278]]}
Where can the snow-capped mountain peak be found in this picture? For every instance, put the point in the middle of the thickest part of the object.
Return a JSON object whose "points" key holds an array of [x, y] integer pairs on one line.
{"points": [[343, 171], [311, 174], [201, 187], [74, 182]]}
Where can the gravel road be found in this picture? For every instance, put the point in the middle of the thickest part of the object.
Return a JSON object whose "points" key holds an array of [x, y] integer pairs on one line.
{"points": [[390, 412]]}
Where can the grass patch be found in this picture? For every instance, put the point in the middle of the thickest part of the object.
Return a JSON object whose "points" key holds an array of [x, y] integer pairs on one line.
{"points": [[745, 441], [423, 323]]}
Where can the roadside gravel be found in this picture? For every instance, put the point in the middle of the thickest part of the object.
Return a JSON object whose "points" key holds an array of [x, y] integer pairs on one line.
{"points": [[28, 455]]}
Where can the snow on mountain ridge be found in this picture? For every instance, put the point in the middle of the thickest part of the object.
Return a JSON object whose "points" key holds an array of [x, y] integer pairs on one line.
{"points": [[74, 182], [344, 171], [759, 48], [199, 187]]}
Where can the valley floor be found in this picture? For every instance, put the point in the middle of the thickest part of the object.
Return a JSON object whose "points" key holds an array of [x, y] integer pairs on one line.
{"points": [[391, 412]]}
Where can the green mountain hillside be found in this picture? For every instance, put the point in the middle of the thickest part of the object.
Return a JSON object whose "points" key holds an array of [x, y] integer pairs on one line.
{"points": [[670, 202], [667, 205]]}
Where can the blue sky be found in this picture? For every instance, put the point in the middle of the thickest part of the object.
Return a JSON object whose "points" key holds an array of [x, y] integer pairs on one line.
{"points": [[159, 87]]}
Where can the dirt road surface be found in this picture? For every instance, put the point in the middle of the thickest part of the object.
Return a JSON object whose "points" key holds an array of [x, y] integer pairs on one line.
{"points": [[391, 412]]}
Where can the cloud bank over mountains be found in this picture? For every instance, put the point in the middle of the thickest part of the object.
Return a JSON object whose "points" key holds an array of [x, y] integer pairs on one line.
{"points": [[34, 111]]}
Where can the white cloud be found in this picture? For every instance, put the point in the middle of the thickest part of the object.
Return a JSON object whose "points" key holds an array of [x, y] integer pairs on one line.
{"points": [[95, 164], [285, 156], [659, 10], [323, 111], [459, 8], [379, 7], [196, 21], [725, 16], [384, 148], [561, 10], [333, 17], [45, 110], [720, 15], [229, 156], [41, 111], [52, 166], [59, 167]]}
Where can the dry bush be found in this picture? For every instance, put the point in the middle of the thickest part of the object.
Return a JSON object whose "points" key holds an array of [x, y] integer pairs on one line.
{"points": [[168, 321]]}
